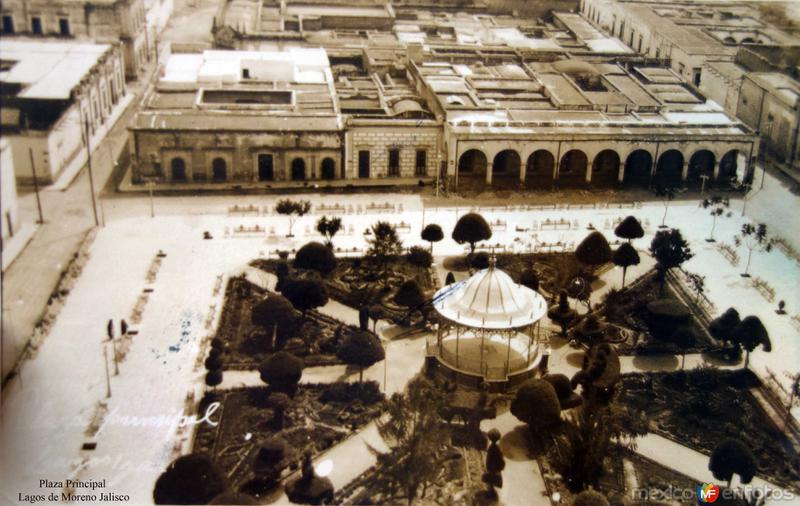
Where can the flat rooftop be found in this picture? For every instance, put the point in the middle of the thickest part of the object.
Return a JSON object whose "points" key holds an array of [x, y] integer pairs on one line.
{"points": [[47, 70]]}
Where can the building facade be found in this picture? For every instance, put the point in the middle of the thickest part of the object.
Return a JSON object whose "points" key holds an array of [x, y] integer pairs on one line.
{"points": [[8, 191], [53, 92], [99, 21]]}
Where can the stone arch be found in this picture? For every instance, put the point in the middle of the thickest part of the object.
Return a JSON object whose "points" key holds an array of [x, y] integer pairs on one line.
{"points": [[669, 170], [605, 168], [328, 168], [472, 163], [748, 40], [638, 166], [219, 169], [728, 166], [298, 169], [539, 169], [177, 169], [506, 163], [573, 166], [700, 164]]}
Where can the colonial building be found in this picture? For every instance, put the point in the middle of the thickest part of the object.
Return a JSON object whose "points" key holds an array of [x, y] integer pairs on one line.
{"points": [[99, 21], [571, 122], [240, 116], [52, 93], [743, 56]]}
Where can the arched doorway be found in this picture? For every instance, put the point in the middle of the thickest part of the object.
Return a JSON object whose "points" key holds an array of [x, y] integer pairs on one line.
{"points": [[539, 169], [700, 164], [266, 167], [298, 169], [637, 169], [727, 167], [506, 164], [669, 171], [178, 169], [572, 169], [219, 169], [605, 168], [472, 163], [328, 169]]}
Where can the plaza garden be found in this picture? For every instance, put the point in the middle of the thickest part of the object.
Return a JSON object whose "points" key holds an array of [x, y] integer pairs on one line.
{"points": [[439, 441]]}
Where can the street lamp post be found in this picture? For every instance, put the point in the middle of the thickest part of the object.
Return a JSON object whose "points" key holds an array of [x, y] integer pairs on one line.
{"points": [[36, 186], [89, 168], [704, 178], [747, 187]]}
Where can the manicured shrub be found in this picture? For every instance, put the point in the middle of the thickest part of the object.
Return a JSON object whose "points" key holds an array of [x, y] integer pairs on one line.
{"points": [[315, 256], [361, 349], [368, 392], [282, 371], [190, 479], [536, 404], [471, 229]]}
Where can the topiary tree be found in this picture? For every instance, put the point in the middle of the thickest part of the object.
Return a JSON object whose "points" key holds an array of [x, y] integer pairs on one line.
{"points": [[279, 402], [450, 278], [432, 233], [293, 209], [309, 488], [716, 206], [276, 316], [329, 227], [305, 294], [410, 295], [670, 250], [593, 250], [213, 362], [753, 237], [495, 463], [567, 398], [282, 371], [561, 313], [272, 456], [530, 279], [471, 228], [384, 246], [361, 349], [190, 479], [629, 229], [722, 328], [590, 498], [536, 404], [214, 377], [625, 256], [751, 333], [731, 457], [315, 256], [419, 257]]}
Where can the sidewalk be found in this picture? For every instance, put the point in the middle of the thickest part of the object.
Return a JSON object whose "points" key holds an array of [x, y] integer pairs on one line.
{"points": [[13, 246]]}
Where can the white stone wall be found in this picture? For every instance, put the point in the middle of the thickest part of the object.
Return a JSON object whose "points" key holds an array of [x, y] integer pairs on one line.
{"points": [[8, 191]]}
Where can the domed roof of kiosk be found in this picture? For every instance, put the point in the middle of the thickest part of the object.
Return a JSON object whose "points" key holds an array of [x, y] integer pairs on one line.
{"points": [[490, 299]]}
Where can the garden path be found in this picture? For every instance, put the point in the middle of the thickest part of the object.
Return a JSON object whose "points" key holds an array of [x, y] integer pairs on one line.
{"points": [[695, 464], [522, 479]]}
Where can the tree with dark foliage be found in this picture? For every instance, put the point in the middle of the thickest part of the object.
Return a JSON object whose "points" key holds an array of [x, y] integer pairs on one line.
{"points": [[732, 457], [384, 247], [471, 229], [629, 229], [670, 250], [276, 316], [432, 233], [317, 257], [536, 404], [626, 256], [305, 294], [751, 333], [293, 209], [190, 479], [329, 227], [362, 349], [282, 372]]}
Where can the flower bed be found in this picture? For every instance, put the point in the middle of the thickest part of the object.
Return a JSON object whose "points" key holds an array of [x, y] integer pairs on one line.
{"points": [[314, 421], [244, 350], [628, 310], [701, 408]]}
